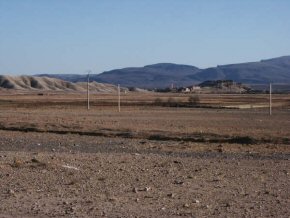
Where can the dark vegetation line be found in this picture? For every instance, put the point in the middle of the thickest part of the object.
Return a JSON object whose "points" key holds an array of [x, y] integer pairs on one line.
{"points": [[226, 156], [162, 136]]}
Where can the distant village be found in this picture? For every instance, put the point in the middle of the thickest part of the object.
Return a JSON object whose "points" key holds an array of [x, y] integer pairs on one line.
{"points": [[210, 86]]}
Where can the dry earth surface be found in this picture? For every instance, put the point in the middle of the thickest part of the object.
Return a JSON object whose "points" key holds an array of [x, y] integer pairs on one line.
{"points": [[59, 160]]}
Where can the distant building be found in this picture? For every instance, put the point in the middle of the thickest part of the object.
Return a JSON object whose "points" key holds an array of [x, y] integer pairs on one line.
{"points": [[186, 90], [194, 88], [189, 89]]}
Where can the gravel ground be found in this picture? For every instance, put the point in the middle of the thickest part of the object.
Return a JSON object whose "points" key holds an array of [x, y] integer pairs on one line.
{"points": [[54, 175]]}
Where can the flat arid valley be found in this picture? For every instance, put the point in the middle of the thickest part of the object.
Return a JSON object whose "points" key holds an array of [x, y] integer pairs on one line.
{"points": [[144, 109], [59, 159]]}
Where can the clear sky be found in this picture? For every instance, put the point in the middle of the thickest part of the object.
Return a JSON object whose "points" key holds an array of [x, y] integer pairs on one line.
{"points": [[72, 36]]}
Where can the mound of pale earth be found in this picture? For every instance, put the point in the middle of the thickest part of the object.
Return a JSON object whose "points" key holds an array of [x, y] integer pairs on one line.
{"points": [[49, 175], [100, 87], [35, 83], [28, 83]]}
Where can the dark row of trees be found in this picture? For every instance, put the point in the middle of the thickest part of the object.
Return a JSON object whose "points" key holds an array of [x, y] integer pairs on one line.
{"points": [[192, 101]]}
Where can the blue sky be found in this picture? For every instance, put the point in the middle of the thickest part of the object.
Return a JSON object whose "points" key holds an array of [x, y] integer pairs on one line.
{"points": [[72, 36]]}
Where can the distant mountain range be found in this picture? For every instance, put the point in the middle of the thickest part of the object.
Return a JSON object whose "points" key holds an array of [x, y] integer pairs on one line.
{"points": [[276, 70]]}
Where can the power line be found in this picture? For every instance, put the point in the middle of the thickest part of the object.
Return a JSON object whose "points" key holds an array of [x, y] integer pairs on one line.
{"points": [[88, 90]]}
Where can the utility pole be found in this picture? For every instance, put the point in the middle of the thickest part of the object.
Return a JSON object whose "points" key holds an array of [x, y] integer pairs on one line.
{"points": [[119, 98], [270, 99], [88, 90]]}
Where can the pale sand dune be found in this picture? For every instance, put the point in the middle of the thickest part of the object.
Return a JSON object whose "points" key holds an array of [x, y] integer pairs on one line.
{"points": [[27, 83]]}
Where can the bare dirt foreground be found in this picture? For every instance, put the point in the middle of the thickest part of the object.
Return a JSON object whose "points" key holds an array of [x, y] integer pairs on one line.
{"points": [[61, 161]]}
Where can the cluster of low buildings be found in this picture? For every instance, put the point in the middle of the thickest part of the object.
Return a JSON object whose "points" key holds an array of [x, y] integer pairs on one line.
{"points": [[211, 86], [189, 89]]}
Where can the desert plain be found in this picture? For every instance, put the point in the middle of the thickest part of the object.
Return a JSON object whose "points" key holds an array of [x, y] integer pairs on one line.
{"points": [[223, 157]]}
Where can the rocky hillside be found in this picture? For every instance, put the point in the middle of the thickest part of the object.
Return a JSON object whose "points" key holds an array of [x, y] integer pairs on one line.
{"points": [[276, 70], [51, 84], [150, 76]]}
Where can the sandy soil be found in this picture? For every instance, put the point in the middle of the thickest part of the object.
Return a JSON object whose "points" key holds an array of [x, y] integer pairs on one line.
{"points": [[46, 175], [61, 161]]}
